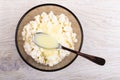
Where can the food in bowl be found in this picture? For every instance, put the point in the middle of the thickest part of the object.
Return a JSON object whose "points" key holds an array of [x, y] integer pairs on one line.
{"points": [[59, 27]]}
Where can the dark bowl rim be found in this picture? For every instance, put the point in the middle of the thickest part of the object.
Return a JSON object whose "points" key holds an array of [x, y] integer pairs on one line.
{"points": [[47, 4]]}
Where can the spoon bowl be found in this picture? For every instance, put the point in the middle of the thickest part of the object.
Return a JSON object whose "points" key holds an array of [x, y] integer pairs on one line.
{"points": [[46, 41]]}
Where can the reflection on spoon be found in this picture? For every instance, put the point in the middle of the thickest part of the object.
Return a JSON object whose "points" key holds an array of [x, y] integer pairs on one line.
{"points": [[46, 41]]}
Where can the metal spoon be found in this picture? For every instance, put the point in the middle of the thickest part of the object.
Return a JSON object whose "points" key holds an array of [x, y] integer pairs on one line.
{"points": [[95, 59]]}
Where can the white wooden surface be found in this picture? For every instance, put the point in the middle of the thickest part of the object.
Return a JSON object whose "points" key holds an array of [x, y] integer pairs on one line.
{"points": [[100, 20]]}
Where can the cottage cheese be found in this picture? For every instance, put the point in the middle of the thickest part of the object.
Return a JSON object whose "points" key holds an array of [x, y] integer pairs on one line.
{"points": [[58, 26]]}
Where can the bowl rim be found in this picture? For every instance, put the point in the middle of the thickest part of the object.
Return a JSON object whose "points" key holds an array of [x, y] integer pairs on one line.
{"points": [[47, 4]]}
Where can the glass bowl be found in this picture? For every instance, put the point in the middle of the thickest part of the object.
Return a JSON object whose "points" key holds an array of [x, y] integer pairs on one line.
{"points": [[28, 16]]}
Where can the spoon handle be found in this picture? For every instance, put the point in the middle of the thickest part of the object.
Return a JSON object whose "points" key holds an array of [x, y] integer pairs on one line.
{"points": [[95, 59]]}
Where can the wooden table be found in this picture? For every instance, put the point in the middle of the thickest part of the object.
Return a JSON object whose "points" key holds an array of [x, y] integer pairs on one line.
{"points": [[100, 20]]}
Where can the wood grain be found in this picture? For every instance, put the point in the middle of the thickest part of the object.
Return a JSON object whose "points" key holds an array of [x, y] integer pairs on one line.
{"points": [[100, 20]]}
